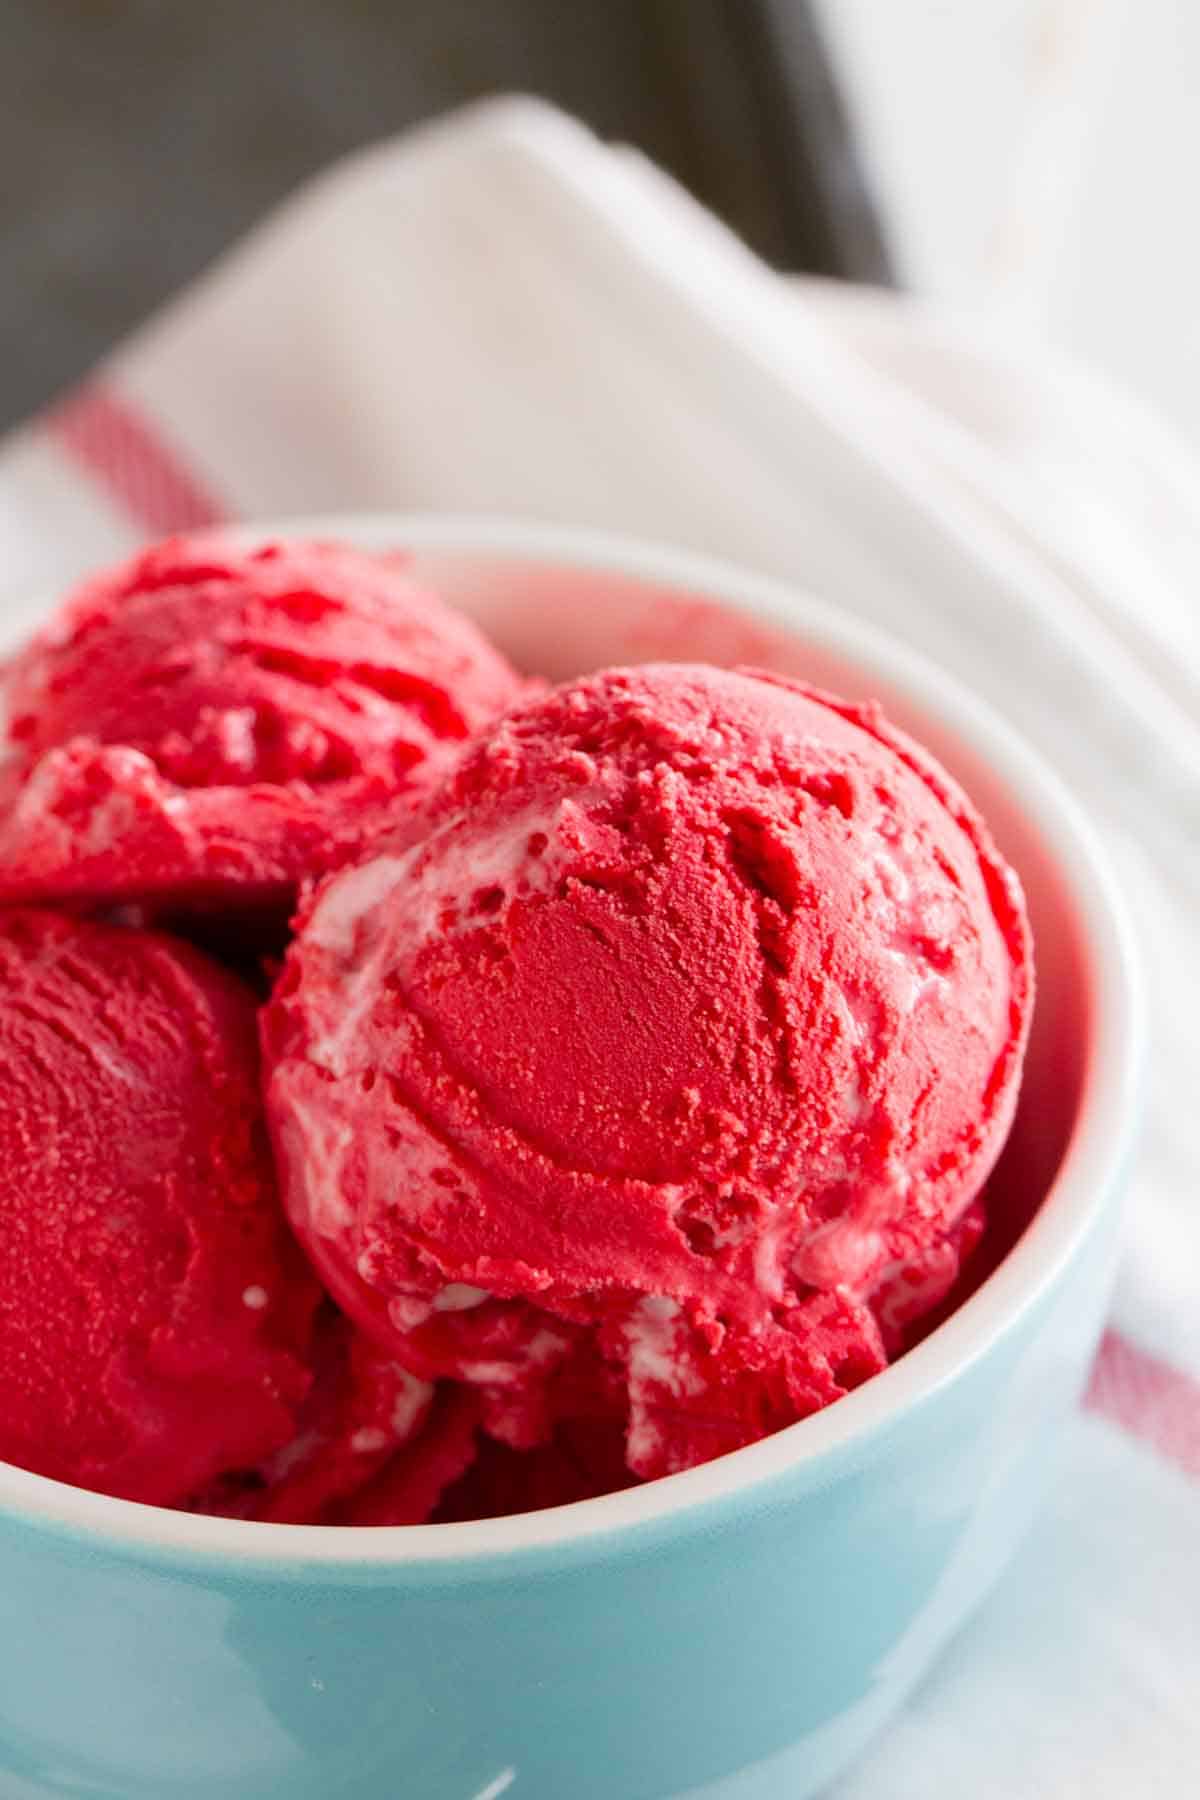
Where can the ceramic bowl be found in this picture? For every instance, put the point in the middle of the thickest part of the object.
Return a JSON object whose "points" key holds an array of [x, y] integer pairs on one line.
{"points": [[734, 1633]]}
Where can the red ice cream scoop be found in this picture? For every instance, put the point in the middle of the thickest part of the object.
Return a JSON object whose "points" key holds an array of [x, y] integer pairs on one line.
{"points": [[205, 726], [154, 1311], [689, 1034], [366, 1416]]}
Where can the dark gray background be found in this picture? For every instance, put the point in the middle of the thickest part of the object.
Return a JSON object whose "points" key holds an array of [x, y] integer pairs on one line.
{"points": [[139, 137]]}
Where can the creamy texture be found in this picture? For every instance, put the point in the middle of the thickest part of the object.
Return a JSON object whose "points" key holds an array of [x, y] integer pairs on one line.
{"points": [[205, 727], [693, 1024]]}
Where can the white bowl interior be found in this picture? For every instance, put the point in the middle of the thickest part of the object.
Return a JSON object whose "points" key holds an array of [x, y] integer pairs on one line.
{"points": [[562, 603]]}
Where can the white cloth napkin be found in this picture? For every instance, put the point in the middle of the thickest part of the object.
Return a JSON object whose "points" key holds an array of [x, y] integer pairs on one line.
{"points": [[500, 315]]}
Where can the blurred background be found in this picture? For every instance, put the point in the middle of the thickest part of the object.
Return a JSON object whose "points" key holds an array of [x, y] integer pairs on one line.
{"points": [[149, 135], [1030, 157]]}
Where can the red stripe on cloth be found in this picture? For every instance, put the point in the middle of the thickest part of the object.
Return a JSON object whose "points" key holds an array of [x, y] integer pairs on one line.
{"points": [[1149, 1399], [123, 454]]}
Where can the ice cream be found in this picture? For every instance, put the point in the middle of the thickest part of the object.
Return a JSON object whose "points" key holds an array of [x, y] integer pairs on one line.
{"points": [[205, 727], [155, 1313], [160, 1338], [409, 1489], [666, 1070], [633, 1080], [363, 1407]]}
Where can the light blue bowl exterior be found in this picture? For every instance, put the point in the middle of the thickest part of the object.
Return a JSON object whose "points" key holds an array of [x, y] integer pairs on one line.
{"points": [[743, 1650]]}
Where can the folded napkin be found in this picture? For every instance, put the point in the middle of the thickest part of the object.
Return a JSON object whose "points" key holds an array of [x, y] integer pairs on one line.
{"points": [[500, 315]]}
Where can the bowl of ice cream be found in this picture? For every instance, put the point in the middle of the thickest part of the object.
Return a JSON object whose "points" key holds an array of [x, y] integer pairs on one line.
{"points": [[741, 1616]]}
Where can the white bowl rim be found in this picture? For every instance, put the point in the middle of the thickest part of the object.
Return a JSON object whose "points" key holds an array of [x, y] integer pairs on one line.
{"points": [[1099, 1146]]}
